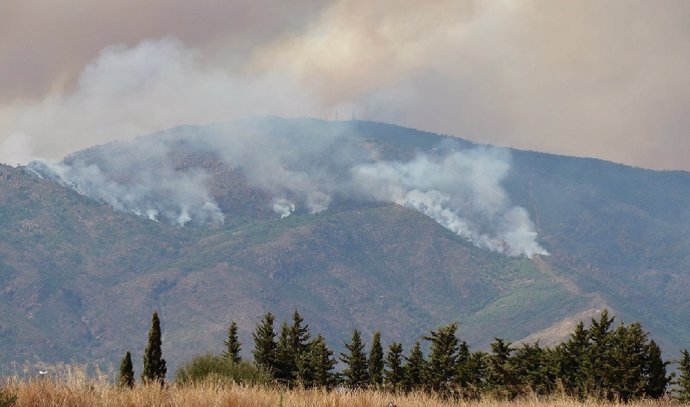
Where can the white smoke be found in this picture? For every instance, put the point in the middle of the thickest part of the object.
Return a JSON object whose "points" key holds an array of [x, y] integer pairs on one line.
{"points": [[283, 207], [139, 179], [461, 191], [157, 84]]}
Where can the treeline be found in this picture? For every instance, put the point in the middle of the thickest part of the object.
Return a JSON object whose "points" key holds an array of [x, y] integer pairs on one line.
{"points": [[601, 361]]}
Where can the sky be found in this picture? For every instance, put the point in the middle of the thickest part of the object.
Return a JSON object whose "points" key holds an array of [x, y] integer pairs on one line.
{"points": [[606, 79]]}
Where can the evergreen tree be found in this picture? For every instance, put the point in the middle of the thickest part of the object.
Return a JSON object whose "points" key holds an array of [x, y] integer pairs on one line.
{"points": [[356, 374], [501, 378], [154, 365], [126, 376], [655, 372], [316, 365], [299, 335], [232, 344], [442, 358], [598, 366], [376, 361], [570, 357], [394, 373], [286, 357], [683, 381], [265, 344], [415, 369]]}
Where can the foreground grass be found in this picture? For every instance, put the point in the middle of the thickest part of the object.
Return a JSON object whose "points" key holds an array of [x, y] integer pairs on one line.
{"points": [[89, 393]]}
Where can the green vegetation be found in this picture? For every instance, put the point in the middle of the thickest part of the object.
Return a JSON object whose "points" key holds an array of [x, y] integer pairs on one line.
{"points": [[218, 368], [126, 373], [154, 364]]}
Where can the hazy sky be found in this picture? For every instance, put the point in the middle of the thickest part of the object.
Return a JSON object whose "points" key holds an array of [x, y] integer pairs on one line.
{"points": [[608, 79]]}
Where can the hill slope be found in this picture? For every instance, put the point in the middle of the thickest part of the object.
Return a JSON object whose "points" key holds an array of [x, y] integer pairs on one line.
{"points": [[81, 279]]}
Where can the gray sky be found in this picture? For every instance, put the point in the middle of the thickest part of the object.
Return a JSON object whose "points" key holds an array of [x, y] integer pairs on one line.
{"points": [[609, 79]]}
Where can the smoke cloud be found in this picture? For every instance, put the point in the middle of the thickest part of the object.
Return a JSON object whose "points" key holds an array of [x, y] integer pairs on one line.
{"points": [[303, 166]]}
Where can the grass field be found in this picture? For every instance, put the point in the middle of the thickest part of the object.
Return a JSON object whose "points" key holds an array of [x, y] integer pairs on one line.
{"points": [[49, 393]]}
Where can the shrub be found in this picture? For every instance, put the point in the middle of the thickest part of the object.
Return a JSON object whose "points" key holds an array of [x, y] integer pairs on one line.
{"points": [[213, 367]]}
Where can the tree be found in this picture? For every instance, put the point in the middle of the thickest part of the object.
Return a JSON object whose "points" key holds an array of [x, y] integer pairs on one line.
{"points": [[126, 376], [299, 335], [415, 369], [442, 358], [356, 373], [655, 372], [376, 360], [501, 376], [154, 365], [394, 373], [265, 344], [232, 344], [683, 381], [316, 364], [286, 357]]}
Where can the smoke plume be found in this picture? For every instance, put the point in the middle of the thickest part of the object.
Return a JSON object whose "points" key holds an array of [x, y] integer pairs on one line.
{"points": [[304, 166]]}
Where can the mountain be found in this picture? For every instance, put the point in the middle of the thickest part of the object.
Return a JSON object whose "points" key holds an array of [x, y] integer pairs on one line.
{"points": [[209, 224]]}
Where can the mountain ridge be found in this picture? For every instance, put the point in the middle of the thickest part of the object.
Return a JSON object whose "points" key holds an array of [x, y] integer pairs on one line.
{"points": [[618, 238]]}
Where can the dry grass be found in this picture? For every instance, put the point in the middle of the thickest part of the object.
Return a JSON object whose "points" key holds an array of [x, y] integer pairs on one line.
{"points": [[49, 393], [73, 388]]}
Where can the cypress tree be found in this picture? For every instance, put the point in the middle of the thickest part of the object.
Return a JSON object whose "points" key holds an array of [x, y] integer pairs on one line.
{"points": [[265, 343], [126, 376], [232, 344], [154, 364], [683, 381], [394, 373], [356, 374], [376, 360]]}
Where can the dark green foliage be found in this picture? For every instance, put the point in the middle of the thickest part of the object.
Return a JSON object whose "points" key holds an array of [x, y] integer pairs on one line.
{"points": [[126, 374], [315, 366], [442, 358], [265, 344], [154, 365], [654, 372], [356, 374], [299, 334], [415, 369], [501, 377], [535, 368], [7, 399], [394, 374], [286, 357], [376, 361], [613, 364], [683, 381], [220, 368], [232, 344]]}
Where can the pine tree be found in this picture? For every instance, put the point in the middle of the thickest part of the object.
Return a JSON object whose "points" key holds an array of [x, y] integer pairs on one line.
{"points": [[265, 344], [501, 373], [316, 364], [126, 376], [394, 373], [415, 369], [655, 372], [356, 374], [442, 358], [286, 357], [683, 381], [299, 334], [154, 365], [232, 344], [376, 361]]}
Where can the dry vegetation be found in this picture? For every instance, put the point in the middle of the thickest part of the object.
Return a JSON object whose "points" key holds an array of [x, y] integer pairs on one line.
{"points": [[75, 389]]}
